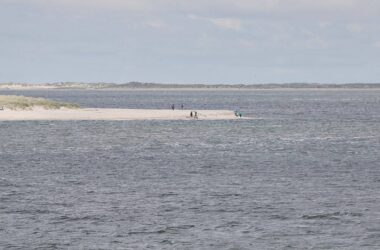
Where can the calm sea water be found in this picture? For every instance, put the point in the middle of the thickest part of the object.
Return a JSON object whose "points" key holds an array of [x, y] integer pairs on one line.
{"points": [[304, 175]]}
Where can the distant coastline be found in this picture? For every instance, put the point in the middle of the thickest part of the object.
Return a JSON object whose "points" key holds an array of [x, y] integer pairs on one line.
{"points": [[159, 86]]}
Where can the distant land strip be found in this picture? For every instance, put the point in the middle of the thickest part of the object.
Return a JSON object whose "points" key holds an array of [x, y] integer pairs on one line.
{"points": [[142, 85]]}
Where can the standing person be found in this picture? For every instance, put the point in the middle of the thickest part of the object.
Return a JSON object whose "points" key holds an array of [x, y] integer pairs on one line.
{"points": [[181, 106], [191, 114], [195, 114], [173, 107]]}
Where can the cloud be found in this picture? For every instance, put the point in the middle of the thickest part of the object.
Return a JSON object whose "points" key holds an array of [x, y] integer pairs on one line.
{"points": [[131, 5], [354, 28], [298, 5], [156, 24], [246, 43], [222, 23], [226, 14], [227, 23], [323, 24], [242, 5], [315, 41]]}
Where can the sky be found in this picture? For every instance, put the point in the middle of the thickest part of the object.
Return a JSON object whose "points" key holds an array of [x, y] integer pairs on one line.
{"points": [[190, 41]]}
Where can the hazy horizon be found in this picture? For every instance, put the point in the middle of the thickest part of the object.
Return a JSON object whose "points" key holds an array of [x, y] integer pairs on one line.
{"points": [[158, 84]]}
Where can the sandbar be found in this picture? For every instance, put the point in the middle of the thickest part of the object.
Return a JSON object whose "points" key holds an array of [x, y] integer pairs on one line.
{"points": [[82, 114]]}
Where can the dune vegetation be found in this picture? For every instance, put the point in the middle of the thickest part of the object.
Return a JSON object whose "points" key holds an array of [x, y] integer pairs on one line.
{"points": [[25, 103]]}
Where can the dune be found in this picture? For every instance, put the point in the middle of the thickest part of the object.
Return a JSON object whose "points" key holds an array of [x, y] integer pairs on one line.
{"points": [[40, 113], [26, 103]]}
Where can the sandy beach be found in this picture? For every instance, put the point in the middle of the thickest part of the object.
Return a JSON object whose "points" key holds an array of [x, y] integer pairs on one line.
{"points": [[111, 114]]}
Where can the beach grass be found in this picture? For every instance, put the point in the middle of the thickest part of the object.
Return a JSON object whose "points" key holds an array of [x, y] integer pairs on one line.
{"points": [[25, 103]]}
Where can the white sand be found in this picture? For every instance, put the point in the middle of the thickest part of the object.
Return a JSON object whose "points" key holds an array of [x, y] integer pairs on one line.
{"points": [[111, 114]]}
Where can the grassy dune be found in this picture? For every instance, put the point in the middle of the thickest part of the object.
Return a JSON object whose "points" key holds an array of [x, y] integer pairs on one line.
{"points": [[24, 103]]}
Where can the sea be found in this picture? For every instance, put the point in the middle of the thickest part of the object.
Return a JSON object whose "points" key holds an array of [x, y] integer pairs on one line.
{"points": [[304, 173]]}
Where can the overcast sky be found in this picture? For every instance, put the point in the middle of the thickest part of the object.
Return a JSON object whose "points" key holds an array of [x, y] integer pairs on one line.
{"points": [[190, 41]]}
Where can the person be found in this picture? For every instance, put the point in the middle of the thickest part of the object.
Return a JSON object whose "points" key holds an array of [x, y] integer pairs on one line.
{"points": [[191, 114], [181, 106], [195, 114], [173, 107]]}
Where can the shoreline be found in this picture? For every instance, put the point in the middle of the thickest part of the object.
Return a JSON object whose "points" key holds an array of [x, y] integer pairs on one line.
{"points": [[100, 114]]}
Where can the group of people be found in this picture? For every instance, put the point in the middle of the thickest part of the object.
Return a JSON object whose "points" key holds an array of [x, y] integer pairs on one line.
{"points": [[194, 114], [173, 106], [238, 114]]}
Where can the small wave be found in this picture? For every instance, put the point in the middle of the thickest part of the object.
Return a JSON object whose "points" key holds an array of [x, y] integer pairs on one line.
{"points": [[330, 216], [179, 227], [226, 195], [167, 195], [65, 218], [169, 229], [223, 211], [161, 231], [168, 242], [29, 211], [6, 183], [229, 224], [278, 217]]}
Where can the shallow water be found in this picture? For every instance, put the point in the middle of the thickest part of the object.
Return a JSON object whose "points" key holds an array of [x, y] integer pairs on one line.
{"points": [[304, 175]]}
